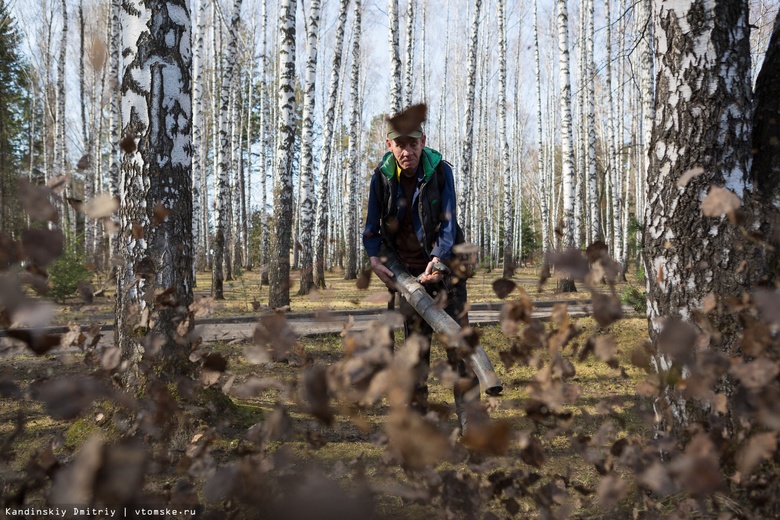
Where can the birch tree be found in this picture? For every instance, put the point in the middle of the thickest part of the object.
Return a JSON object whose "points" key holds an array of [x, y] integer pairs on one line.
{"points": [[567, 152], [156, 203], [508, 210], [543, 196], [352, 173], [198, 163], [279, 271], [323, 191], [223, 157], [60, 126], [590, 108], [408, 75], [306, 201], [468, 131], [699, 164], [395, 57]]}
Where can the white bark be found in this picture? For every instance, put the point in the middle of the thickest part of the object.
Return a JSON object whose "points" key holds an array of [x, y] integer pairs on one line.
{"points": [[323, 192], [224, 157], [306, 200], [507, 219], [543, 197], [466, 146], [567, 152], [279, 272], [395, 58], [353, 171], [408, 73], [156, 111]]}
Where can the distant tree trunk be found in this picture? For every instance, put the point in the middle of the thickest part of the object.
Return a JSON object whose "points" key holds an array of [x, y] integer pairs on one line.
{"points": [[157, 247], [593, 202], [702, 126], [567, 153], [223, 179], [264, 89], [507, 220], [323, 191], [648, 104], [466, 146], [544, 193], [279, 272], [59, 138], [408, 76], [423, 58], [396, 102], [612, 161], [198, 162], [352, 173], [306, 201]]}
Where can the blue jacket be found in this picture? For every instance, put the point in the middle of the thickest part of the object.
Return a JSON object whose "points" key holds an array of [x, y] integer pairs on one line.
{"points": [[433, 206]]}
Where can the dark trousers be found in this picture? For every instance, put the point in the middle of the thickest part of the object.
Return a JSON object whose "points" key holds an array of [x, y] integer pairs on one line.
{"points": [[456, 298]]}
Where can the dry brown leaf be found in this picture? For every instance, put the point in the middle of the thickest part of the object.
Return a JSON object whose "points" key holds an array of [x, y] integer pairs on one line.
{"points": [[378, 297], [491, 437], [74, 484], [101, 206], [35, 201], [760, 447], [364, 279], [719, 201], [127, 144], [58, 183], [409, 119], [605, 347], [98, 53], [503, 287], [607, 309], [43, 246], [755, 375], [686, 177], [610, 491]]}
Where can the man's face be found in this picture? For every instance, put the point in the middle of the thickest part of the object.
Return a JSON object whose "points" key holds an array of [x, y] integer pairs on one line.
{"points": [[407, 152]]}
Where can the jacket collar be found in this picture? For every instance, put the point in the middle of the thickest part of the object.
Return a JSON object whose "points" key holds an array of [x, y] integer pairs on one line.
{"points": [[429, 160]]}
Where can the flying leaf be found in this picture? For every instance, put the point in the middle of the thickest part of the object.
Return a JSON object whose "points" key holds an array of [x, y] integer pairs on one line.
{"points": [[102, 206], [410, 119], [364, 279], [35, 201], [719, 201], [503, 287], [127, 144], [686, 177]]}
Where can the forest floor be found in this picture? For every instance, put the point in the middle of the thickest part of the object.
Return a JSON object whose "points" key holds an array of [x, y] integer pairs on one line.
{"points": [[354, 443]]}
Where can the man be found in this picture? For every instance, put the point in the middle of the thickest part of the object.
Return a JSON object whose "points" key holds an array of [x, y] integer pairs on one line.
{"points": [[411, 213]]}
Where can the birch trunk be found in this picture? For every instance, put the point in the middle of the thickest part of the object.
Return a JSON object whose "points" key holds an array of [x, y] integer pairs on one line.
{"points": [[323, 192], [306, 201], [198, 227], [464, 203], [507, 220], [408, 76], [567, 152], [157, 249], [353, 171], [223, 159], [544, 192], [593, 201], [395, 58], [612, 161], [702, 125], [279, 272]]}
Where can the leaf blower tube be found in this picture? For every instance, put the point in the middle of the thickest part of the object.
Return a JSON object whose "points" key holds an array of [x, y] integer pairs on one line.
{"points": [[440, 321]]}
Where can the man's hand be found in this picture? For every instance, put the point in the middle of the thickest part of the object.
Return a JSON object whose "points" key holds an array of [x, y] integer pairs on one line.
{"points": [[384, 274], [431, 275]]}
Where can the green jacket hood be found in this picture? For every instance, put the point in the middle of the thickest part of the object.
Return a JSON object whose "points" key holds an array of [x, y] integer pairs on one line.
{"points": [[429, 159]]}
